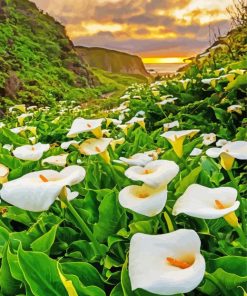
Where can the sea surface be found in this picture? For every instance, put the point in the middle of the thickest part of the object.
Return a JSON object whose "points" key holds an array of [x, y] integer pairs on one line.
{"points": [[163, 68]]}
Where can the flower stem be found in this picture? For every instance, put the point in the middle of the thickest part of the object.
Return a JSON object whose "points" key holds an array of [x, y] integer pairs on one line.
{"points": [[242, 236], [215, 281], [85, 229], [230, 174]]}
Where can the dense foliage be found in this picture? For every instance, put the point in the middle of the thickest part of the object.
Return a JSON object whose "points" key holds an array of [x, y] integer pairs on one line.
{"points": [[82, 247]]}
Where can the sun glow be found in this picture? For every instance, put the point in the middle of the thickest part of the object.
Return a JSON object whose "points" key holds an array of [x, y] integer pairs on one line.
{"points": [[171, 60]]}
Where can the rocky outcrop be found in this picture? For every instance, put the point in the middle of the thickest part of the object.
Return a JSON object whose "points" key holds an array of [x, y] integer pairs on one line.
{"points": [[111, 60]]}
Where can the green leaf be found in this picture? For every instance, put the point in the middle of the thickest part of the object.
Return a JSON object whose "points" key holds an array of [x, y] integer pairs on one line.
{"points": [[111, 217], [45, 242], [188, 180], [41, 273]]}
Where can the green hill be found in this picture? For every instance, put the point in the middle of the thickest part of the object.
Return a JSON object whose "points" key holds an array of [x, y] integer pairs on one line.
{"points": [[112, 60], [38, 62]]}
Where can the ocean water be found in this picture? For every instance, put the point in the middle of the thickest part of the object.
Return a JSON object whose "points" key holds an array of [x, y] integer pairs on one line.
{"points": [[163, 68]]}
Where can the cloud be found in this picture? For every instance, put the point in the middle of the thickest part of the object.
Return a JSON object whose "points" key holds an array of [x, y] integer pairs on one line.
{"points": [[144, 27]]}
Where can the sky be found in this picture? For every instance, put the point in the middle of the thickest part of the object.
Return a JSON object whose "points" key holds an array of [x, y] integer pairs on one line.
{"points": [[156, 30]]}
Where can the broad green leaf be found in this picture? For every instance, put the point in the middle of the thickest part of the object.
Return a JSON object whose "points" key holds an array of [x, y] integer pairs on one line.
{"points": [[41, 273]]}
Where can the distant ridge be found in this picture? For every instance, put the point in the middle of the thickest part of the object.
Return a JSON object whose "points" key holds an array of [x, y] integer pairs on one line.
{"points": [[112, 60]]}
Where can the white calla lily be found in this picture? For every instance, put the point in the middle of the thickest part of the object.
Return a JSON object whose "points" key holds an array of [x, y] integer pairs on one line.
{"points": [[208, 203], [37, 191], [221, 142], [112, 121], [156, 173], [116, 142], [176, 139], [31, 152], [208, 138], [22, 117], [21, 108], [164, 102], [196, 152], [229, 152], [169, 125], [143, 199], [96, 146], [139, 159], [81, 125], [4, 172], [235, 108], [139, 120], [8, 147], [58, 160], [166, 264], [65, 145]]}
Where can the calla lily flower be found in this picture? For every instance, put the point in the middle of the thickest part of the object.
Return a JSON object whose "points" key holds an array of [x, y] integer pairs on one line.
{"points": [[81, 125], [155, 93], [124, 128], [37, 191], [166, 264], [20, 129], [140, 113], [22, 117], [4, 172], [31, 152], [21, 108], [221, 142], [8, 147], [139, 120], [65, 145], [196, 152], [139, 159], [58, 160], [96, 146], [164, 102], [116, 142], [169, 125], [145, 200], [32, 140], [208, 138], [208, 203], [229, 152], [176, 139], [235, 108], [156, 173], [238, 71], [113, 121]]}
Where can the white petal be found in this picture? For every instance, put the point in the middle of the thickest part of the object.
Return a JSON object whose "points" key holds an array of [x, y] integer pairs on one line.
{"points": [[236, 149], [196, 152], [140, 159], [161, 172], [73, 174], [199, 201], [148, 206], [149, 269], [172, 135], [31, 152], [65, 145], [213, 152], [31, 193], [81, 125], [94, 146], [58, 160]]}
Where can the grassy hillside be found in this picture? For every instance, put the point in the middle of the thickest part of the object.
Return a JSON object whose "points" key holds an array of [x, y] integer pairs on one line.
{"points": [[38, 62], [112, 60]]}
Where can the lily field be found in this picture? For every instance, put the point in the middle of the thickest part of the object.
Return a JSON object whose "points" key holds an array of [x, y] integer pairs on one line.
{"points": [[147, 198]]}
